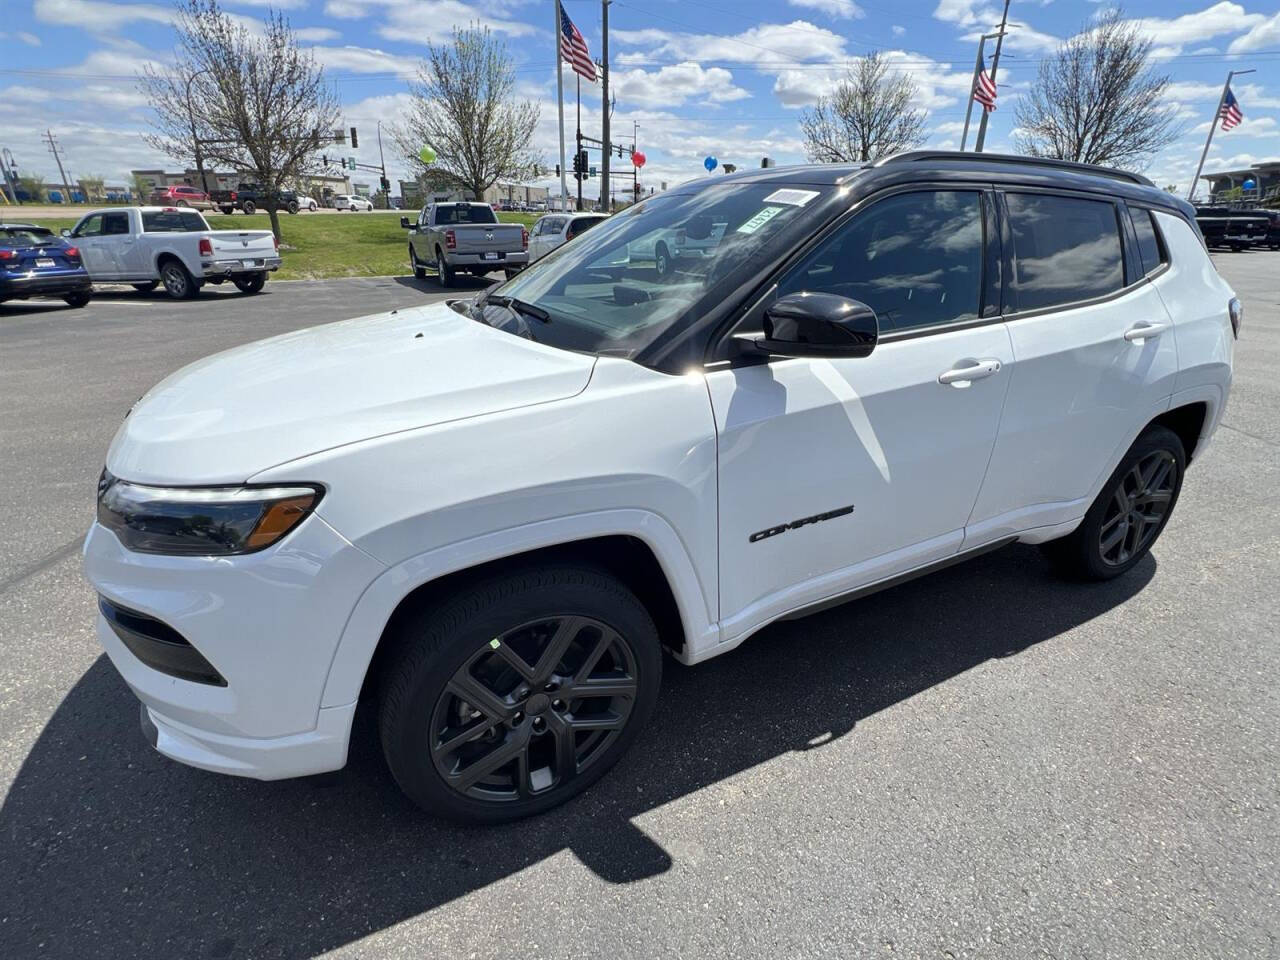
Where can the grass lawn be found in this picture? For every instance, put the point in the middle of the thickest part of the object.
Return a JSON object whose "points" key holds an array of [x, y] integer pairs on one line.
{"points": [[316, 246]]}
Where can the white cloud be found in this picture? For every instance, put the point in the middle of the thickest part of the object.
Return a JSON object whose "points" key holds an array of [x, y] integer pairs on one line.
{"points": [[364, 60], [1221, 18], [316, 34], [937, 85], [276, 4], [797, 41], [1265, 34], [837, 9], [675, 85], [97, 15], [898, 31], [1249, 127], [30, 39]]}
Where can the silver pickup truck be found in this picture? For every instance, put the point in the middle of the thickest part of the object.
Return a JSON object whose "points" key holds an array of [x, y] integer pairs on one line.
{"points": [[467, 237]]}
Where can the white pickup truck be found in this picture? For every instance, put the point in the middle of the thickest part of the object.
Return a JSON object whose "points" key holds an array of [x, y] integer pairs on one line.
{"points": [[147, 246]]}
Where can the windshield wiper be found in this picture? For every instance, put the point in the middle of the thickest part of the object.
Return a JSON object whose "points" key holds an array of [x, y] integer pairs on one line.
{"points": [[519, 306]]}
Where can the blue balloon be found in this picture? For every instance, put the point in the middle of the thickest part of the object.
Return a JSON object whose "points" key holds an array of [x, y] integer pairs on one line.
{"points": [[710, 163], [1250, 184]]}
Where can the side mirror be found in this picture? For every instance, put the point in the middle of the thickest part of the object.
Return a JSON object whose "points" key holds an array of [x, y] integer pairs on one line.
{"points": [[818, 325], [66, 231], [404, 222]]}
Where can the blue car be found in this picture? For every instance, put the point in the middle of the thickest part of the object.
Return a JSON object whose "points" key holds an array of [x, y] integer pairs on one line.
{"points": [[36, 262]]}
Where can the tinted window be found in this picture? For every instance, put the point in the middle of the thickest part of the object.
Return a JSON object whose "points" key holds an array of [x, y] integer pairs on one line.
{"points": [[465, 213], [173, 221], [25, 235], [1066, 249], [115, 223], [583, 224], [1149, 245], [915, 259]]}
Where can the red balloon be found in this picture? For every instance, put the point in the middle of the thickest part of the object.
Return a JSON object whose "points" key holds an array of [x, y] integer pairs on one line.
{"points": [[638, 159]]}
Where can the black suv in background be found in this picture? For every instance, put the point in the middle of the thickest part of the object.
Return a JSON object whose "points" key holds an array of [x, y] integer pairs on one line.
{"points": [[249, 197]]}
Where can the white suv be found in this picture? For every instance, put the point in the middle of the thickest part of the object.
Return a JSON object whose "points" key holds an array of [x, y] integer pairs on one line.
{"points": [[485, 519]]}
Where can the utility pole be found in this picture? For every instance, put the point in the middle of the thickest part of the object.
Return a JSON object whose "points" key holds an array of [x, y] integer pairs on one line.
{"points": [[977, 69], [995, 64], [53, 148], [382, 161], [635, 143], [559, 28], [604, 112], [1213, 125], [577, 145]]}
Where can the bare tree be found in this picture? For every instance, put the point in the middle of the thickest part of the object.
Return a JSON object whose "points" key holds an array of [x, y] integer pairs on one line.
{"points": [[257, 103], [464, 108], [867, 116], [1097, 101]]}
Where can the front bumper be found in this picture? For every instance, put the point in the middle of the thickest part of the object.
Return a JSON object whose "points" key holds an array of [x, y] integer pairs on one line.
{"points": [[269, 623], [51, 284], [227, 268]]}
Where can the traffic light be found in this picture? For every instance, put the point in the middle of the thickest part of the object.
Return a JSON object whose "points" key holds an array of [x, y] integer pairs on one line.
{"points": [[354, 142], [557, 170], [386, 185], [324, 159]]}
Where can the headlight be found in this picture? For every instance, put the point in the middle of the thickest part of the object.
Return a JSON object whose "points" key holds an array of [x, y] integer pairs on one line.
{"points": [[209, 522]]}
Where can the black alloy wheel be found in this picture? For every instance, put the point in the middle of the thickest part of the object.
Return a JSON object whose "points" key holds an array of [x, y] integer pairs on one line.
{"points": [[1129, 513], [1138, 506], [517, 693]]}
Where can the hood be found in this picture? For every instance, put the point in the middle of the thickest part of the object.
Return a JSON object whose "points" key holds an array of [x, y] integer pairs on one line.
{"points": [[229, 416]]}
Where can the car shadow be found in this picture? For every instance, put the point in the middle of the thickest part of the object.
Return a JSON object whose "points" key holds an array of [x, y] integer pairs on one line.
{"points": [[463, 283], [110, 848]]}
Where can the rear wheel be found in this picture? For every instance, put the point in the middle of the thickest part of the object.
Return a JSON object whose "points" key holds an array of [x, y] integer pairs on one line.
{"points": [[443, 269], [518, 693], [178, 283], [662, 261], [249, 206], [293, 206], [253, 283], [145, 287], [77, 299], [183, 203], [1129, 513]]}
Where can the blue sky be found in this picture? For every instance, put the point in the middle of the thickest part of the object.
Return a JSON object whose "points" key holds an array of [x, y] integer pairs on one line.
{"points": [[721, 77]]}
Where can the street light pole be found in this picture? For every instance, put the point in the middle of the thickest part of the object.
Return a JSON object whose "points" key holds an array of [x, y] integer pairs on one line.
{"points": [[382, 161], [1213, 124], [191, 116], [995, 64]]}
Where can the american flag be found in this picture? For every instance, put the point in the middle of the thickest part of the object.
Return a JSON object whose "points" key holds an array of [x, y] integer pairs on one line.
{"points": [[984, 91], [1230, 114], [574, 49]]}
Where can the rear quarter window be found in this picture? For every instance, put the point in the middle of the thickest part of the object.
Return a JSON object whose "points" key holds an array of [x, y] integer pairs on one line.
{"points": [[1066, 249], [1150, 245]]}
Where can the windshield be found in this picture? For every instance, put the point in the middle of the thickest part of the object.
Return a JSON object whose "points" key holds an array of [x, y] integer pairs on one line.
{"points": [[464, 213], [24, 236], [657, 266]]}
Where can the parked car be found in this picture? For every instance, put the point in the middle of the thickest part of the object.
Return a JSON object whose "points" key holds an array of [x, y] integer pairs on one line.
{"points": [[147, 246], [484, 519], [453, 237], [1232, 228], [181, 196], [554, 230], [352, 202], [1273, 229], [34, 262], [251, 198]]}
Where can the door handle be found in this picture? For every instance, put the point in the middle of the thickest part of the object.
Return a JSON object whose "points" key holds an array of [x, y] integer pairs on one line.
{"points": [[969, 371], [1145, 330]]}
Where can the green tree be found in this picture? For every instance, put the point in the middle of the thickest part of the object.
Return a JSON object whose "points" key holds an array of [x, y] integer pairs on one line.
{"points": [[33, 187]]}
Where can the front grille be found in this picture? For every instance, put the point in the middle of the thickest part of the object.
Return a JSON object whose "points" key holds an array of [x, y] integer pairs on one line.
{"points": [[158, 645]]}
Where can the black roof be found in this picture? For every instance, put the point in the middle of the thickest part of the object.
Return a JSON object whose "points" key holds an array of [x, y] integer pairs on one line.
{"points": [[963, 167]]}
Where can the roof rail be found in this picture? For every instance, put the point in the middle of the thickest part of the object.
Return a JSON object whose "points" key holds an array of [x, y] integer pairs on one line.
{"points": [[1067, 166]]}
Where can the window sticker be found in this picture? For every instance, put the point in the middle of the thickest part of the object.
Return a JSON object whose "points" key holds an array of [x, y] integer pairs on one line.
{"points": [[796, 198], [759, 220]]}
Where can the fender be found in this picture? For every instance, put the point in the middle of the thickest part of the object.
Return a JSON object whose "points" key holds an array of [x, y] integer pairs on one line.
{"points": [[369, 618]]}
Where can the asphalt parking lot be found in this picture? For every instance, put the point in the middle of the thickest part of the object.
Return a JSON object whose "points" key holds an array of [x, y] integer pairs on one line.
{"points": [[985, 762]]}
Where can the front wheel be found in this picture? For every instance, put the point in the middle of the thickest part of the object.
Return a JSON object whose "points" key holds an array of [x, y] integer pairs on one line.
{"points": [[250, 284], [1130, 511], [518, 693], [293, 207], [662, 262], [249, 206]]}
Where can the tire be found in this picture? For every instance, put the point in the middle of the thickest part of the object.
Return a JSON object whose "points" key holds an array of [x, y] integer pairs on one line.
{"points": [[583, 608], [249, 207], [183, 203], [178, 282], [419, 271], [443, 269], [78, 299], [293, 207], [1134, 504], [227, 211], [145, 287], [251, 284], [662, 261]]}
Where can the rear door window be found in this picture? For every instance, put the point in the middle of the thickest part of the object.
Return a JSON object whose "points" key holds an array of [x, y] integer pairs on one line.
{"points": [[914, 258], [1066, 249], [173, 221]]}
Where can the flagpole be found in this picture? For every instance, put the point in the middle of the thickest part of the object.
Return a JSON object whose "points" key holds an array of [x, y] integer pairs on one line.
{"points": [[995, 63], [982, 41], [564, 183], [1213, 125]]}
